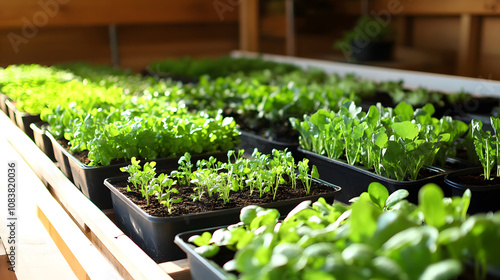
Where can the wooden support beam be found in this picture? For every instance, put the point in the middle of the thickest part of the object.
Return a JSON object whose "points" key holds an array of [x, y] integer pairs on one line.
{"points": [[290, 28], [249, 25], [405, 31], [469, 45]]}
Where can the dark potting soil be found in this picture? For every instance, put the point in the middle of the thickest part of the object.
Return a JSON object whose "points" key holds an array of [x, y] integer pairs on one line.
{"points": [[81, 156], [237, 199], [425, 173], [476, 180]]}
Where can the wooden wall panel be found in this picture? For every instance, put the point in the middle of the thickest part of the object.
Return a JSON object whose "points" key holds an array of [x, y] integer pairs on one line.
{"points": [[15, 13], [55, 45], [489, 60], [139, 45], [436, 33], [54, 31]]}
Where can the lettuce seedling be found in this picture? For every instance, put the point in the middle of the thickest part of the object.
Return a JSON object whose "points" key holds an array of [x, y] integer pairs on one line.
{"points": [[141, 179], [163, 187], [495, 122], [485, 147], [304, 174]]}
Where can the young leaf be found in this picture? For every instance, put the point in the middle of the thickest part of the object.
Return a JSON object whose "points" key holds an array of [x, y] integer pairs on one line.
{"points": [[396, 197], [378, 194], [430, 198], [405, 130], [443, 270]]}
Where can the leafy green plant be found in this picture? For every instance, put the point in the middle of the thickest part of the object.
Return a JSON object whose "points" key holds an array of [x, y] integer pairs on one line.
{"points": [[218, 67], [185, 165], [163, 188], [396, 143], [495, 123], [142, 180], [378, 236], [220, 179], [122, 133], [485, 147], [304, 174]]}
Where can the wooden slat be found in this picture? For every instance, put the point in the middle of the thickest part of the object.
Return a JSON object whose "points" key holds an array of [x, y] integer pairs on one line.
{"points": [[83, 258], [37, 255], [273, 26], [179, 270], [468, 47], [128, 259], [55, 45], [249, 25], [140, 45], [405, 34], [290, 28], [21, 13]]}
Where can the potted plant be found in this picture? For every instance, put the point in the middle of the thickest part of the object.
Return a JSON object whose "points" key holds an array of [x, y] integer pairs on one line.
{"points": [[378, 236], [483, 182], [372, 39], [22, 86], [101, 142], [152, 209], [352, 148]]}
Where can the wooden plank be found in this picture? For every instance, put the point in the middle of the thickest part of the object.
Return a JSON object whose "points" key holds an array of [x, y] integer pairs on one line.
{"points": [[37, 256], [179, 270], [290, 28], [249, 25], [273, 25], [56, 45], [83, 258], [140, 45], [128, 259], [405, 34], [31, 14], [5, 273], [468, 47]]}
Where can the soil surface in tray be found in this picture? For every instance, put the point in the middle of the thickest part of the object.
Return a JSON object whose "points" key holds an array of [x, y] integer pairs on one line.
{"points": [[476, 180], [237, 199]]}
